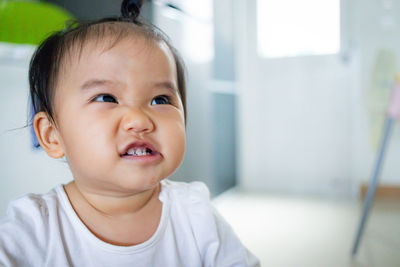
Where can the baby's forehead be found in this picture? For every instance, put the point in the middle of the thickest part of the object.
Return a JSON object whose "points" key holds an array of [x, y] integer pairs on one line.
{"points": [[111, 57], [104, 37], [95, 45]]}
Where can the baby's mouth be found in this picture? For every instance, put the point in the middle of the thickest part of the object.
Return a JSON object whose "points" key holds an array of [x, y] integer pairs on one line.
{"points": [[139, 151]]}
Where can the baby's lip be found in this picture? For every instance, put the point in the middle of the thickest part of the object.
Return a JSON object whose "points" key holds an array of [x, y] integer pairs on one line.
{"points": [[138, 144]]}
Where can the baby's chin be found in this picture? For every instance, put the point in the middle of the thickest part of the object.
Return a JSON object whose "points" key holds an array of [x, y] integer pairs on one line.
{"points": [[121, 188]]}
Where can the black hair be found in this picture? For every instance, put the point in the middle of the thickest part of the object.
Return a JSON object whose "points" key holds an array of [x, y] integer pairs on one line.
{"points": [[50, 56]]}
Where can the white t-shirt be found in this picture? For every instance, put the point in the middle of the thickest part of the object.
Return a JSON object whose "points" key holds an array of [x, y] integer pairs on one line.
{"points": [[44, 230]]}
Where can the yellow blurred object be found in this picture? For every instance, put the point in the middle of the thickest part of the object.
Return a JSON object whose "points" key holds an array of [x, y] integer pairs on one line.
{"points": [[379, 92], [29, 22]]}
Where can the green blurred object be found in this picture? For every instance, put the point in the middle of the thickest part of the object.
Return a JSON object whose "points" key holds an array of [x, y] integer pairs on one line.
{"points": [[29, 22]]}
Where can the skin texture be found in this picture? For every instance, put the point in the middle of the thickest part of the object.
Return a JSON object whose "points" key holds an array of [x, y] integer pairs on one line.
{"points": [[116, 197]]}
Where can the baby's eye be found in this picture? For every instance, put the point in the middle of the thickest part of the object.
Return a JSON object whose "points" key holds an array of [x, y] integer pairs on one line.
{"points": [[105, 98], [161, 100]]}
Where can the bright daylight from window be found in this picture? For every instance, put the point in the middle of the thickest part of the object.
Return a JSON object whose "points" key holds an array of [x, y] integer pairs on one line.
{"points": [[288, 28]]}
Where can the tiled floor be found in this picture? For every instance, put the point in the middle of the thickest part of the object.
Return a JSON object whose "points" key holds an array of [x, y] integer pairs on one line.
{"points": [[309, 231]]}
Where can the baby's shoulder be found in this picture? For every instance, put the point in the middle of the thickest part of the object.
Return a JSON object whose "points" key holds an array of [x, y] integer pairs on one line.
{"points": [[200, 223], [24, 228], [30, 206], [189, 203], [187, 193]]}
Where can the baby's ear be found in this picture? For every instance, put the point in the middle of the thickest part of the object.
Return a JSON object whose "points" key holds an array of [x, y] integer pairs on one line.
{"points": [[47, 135]]}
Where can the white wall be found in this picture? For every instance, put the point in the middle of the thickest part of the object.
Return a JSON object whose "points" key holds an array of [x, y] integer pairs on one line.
{"points": [[302, 122], [22, 169]]}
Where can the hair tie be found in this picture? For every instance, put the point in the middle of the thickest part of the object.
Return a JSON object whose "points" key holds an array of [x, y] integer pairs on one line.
{"points": [[131, 8]]}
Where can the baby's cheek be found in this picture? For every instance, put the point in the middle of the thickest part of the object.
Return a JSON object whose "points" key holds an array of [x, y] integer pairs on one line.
{"points": [[178, 143], [170, 112]]}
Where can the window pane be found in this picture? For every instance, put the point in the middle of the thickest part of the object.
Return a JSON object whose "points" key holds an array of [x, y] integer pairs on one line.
{"points": [[295, 28]]}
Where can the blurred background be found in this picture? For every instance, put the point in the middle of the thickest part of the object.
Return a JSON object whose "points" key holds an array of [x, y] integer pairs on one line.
{"points": [[286, 105]]}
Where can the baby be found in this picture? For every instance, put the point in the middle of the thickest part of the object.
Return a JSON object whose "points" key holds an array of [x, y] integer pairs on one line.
{"points": [[109, 95]]}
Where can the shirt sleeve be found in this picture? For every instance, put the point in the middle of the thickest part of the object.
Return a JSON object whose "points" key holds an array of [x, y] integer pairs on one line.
{"points": [[218, 243], [230, 250], [22, 233]]}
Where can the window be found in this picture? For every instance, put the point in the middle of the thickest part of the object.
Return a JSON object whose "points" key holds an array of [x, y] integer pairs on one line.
{"points": [[287, 28]]}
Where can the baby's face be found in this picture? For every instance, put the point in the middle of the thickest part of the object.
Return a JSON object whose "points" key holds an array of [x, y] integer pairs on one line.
{"points": [[119, 116]]}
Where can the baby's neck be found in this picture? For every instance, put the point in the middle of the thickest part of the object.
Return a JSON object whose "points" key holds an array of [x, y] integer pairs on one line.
{"points": [[120, 221], [110, 205]]}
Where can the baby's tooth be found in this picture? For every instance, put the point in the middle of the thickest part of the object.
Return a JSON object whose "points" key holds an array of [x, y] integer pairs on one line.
{"points": [[137, 152], [140, 152]]}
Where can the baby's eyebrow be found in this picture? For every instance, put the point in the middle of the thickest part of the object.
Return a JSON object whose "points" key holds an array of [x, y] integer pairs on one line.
{"points": [[100, 82], [95, 83], [168, 85]]}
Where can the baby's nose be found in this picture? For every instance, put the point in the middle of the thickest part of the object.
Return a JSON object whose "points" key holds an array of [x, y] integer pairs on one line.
{"points": [[136, 120]]}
